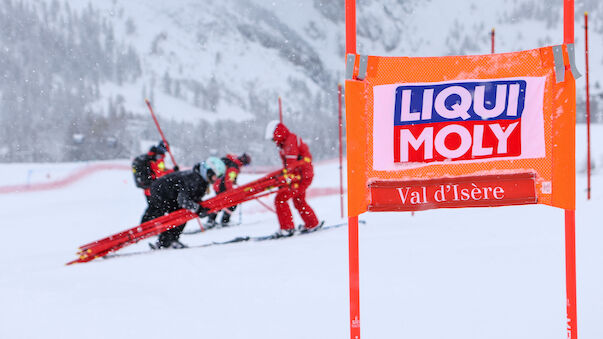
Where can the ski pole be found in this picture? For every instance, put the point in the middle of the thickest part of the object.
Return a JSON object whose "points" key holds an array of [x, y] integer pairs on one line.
{"points": [[340, 123], [280, 110], [167, 146], [241, 215], [266, 206]]}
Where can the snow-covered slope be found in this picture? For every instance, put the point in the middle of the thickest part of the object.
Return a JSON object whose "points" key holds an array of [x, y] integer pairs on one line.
{"points": [[471, 273], [202, 60], [227, 61]]}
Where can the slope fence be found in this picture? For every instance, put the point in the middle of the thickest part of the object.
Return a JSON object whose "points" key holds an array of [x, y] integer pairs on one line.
{"points": [[84, 172]]}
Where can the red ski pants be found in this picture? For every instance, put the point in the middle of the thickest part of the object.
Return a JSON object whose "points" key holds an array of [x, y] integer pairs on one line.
{"points": [[297, 192]]}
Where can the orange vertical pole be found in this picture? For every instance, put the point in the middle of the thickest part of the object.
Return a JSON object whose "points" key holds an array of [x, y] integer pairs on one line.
{"points": [[350, 26], [587, 107], [339, 92], [354, 278], [570, 215], [568, 21], [492, 38], [570, 268], [350, 47]]}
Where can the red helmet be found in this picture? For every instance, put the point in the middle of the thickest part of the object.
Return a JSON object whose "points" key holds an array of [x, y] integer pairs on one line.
{"points": [[276, 131], [280, 133]]}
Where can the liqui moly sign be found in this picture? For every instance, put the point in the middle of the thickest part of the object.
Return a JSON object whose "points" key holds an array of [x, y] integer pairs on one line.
{"points": [[473, 120]]}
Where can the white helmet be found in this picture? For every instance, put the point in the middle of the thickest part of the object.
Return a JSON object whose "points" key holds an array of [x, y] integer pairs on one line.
{"points": [[215, 164], [270, 129]]}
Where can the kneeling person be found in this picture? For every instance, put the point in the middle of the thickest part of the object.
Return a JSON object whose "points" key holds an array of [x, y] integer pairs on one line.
{"points": [[183, 189]]}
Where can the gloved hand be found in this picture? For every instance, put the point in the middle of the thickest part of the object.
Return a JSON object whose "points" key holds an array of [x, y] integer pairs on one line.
{"points": [[176, 168], [202, 211], [288, 177]]}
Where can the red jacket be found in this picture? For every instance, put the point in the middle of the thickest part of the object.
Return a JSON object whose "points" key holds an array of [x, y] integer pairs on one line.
{"points": [[292, 149], [233, 168], [157, 170]]}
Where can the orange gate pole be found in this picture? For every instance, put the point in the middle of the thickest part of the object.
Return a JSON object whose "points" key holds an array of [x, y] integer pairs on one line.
{"points": [[570, 215], [350, 44]]}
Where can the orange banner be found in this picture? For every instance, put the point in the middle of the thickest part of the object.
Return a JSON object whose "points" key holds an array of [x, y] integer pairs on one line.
{"points": [[452, 118]]}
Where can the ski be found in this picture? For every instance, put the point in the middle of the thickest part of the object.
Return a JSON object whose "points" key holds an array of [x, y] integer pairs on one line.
{"points": [[237, 239], [186, 247], [216, 227], [220, 226], [226, 242], [297, 233]]}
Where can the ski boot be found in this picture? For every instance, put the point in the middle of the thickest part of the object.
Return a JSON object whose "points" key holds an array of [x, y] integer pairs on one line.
{"points": [[303, 229], [155, 246], [283, 233], [210, 224], [176, 244]]}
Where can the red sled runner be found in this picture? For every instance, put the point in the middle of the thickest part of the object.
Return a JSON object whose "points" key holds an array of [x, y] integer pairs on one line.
{"points": [[264, 186]]}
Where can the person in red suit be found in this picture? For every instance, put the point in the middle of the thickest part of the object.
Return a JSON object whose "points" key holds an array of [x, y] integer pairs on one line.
{"points": [[226, 183], [297, 164]]}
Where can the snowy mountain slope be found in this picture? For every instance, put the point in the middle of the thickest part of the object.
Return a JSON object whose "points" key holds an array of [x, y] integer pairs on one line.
{"points": [[234, 46], [471, 273], [295, 49], [240, 43], [226, 63]]}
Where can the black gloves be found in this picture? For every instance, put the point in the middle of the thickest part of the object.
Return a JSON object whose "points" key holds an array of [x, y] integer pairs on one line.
{"points": [[176, 168], [202, 211]]}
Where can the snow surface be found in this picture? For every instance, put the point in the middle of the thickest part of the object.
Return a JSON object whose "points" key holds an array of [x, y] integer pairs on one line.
{"points": [[471, 273]]}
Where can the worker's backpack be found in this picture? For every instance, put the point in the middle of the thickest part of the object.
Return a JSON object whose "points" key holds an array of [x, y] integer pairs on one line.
{"points": [[141, 167]]}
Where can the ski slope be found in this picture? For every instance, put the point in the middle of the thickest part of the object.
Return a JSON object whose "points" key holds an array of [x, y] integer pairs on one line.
{"points": [[470, 273]]}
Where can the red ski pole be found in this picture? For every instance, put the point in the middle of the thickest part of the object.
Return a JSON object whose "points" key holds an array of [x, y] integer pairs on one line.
{"points": [[587, 107], [339, 90], [265, 206], [167, 146], [492, 36]]}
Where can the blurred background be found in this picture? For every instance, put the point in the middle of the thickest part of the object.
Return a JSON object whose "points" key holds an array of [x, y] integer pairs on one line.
{"points": [[74, 74]]}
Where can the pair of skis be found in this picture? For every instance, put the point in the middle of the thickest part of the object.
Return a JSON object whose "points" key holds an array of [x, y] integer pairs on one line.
{"points": [[231, 241], [275, 236]]}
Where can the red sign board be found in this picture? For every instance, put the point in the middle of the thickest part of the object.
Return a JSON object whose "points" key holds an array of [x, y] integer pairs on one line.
{"points": [[465, 191]]}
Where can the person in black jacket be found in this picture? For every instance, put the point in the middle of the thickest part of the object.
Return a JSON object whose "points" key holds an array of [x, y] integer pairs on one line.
{"points": [[150, 166], [183, 189]]}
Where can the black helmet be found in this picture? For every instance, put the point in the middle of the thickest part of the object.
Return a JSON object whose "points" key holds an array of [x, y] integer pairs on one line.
{"points": [[245, 159], [161, 148]]}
